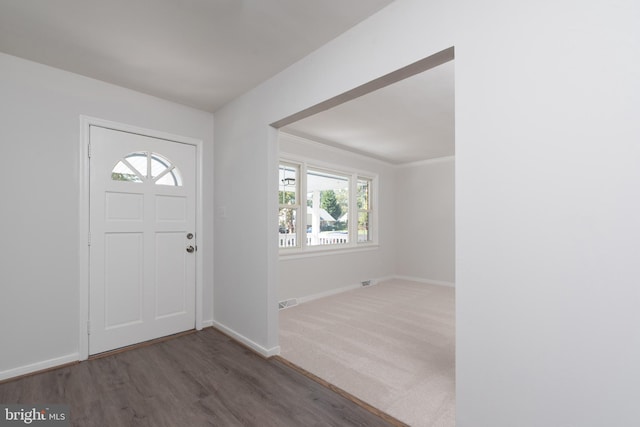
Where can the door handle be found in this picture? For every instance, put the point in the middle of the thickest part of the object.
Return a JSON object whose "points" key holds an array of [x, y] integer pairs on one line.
{"points": [[190, 249]]}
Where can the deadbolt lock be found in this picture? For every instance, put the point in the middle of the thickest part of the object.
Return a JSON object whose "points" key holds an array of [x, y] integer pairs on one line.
{"points": [[190, 236]]}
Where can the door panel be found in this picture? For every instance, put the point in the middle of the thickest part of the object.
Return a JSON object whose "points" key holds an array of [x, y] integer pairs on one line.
{"points": [[171, 286], [123, 279], [171, 208], [142, 208], [123, 206]]}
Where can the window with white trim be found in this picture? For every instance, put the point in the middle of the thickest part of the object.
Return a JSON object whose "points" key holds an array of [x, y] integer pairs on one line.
{"points": [[322, 208], [364, 209], [327, 208], [145, 166], [289, 205]]}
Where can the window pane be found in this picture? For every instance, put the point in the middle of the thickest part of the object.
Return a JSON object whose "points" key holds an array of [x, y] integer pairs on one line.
{"points": [[363, 227], [363, 194], [161, 166], [328, 208], [122, 172], [287, 185], [287, 228], [172, 178], [138, 161], [158, 164]]}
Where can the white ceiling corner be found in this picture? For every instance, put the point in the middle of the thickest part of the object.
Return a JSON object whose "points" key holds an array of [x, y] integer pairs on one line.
{"points": [[200, 53]]}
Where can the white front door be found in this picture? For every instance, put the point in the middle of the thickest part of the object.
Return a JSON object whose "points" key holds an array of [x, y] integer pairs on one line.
{"points": [[142, 238]]}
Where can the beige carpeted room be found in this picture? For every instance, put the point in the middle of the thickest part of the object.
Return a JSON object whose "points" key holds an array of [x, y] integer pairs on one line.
{"points": [[375, 318], [391, 345]]}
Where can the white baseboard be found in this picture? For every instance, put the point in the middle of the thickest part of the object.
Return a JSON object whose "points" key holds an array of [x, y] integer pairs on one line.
{"points": [[207, 323], [328, 293], [266, 352], [429, 281], [39, 366], [340, 290], [384, 279]]}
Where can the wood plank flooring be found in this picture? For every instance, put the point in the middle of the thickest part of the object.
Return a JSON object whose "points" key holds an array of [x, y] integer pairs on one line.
{"points": [[200, 379]]}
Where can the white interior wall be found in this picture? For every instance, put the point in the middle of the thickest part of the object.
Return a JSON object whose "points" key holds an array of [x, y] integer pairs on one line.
{"points": [[40, 112], [322, 274], [425, 228], [246, 178], [547, 201]]}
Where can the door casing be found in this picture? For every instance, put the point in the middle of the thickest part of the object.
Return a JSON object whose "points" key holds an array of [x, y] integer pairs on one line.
{"points": [[83, 218]]}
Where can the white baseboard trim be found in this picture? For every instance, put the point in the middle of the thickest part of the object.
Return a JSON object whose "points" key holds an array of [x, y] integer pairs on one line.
{"points": [[266, 352], [335, 291], [328, 293], [39, 366], [384, 279], [207, 323], [429, 281]]}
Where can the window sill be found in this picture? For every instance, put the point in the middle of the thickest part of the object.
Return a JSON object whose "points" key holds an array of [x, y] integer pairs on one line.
{"points": [[311, 252]]}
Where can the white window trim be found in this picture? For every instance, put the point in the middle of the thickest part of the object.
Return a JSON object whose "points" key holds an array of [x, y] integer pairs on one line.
{"points": [[298, 205], [304, 250], [370, 207]]}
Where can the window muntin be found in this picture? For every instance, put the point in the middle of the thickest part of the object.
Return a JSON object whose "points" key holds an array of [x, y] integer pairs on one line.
{"points": [[125, 172], [146, 166], [314, 208]]}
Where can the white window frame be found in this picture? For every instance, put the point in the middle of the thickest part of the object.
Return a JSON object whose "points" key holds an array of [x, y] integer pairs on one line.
{"points": [[303, 249], [369, 210], [297, 207]]}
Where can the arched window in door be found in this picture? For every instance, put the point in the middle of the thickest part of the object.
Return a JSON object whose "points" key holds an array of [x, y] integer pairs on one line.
{"points": [[144, 166]]}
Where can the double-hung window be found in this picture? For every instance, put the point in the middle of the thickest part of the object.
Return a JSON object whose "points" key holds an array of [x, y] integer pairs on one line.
{"points": [[289, 205], [323, 208], [364, 209], [327, 208]]}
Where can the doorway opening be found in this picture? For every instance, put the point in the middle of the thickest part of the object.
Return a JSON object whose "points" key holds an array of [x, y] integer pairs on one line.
{"points": [[140, 218], [342, 309]]}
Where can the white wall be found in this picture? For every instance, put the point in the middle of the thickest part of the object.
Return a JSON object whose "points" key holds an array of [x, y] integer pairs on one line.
{"points": [[547, 197], [425, 228], [319, 275], [40, 110], [246, 175]]}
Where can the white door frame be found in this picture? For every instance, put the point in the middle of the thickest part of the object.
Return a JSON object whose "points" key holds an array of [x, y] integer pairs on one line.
{"points": [[83, 217]]}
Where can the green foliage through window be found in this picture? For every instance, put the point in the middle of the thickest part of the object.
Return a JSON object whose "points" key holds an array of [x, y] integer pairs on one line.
{"points": [[314, 207]]}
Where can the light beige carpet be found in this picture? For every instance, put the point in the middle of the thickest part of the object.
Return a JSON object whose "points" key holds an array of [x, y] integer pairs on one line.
{"points": [[391, 345]]}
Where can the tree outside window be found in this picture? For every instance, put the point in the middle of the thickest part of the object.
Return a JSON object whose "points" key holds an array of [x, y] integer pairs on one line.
{"points": [[324, 218]]}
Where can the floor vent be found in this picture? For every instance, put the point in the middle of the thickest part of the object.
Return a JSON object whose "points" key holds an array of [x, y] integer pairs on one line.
{"points": [[366, 283], [287, 303]]}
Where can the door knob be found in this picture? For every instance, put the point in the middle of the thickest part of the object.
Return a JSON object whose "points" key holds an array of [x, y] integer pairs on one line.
{"points": [[190, 249]]}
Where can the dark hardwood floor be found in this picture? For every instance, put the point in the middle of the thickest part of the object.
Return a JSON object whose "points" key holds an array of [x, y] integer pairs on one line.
{"points": [[200, 379]]}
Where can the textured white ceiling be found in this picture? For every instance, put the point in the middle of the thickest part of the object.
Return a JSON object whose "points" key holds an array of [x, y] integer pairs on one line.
{"points": [[201, 53], [204, 53], [408, 121]]}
